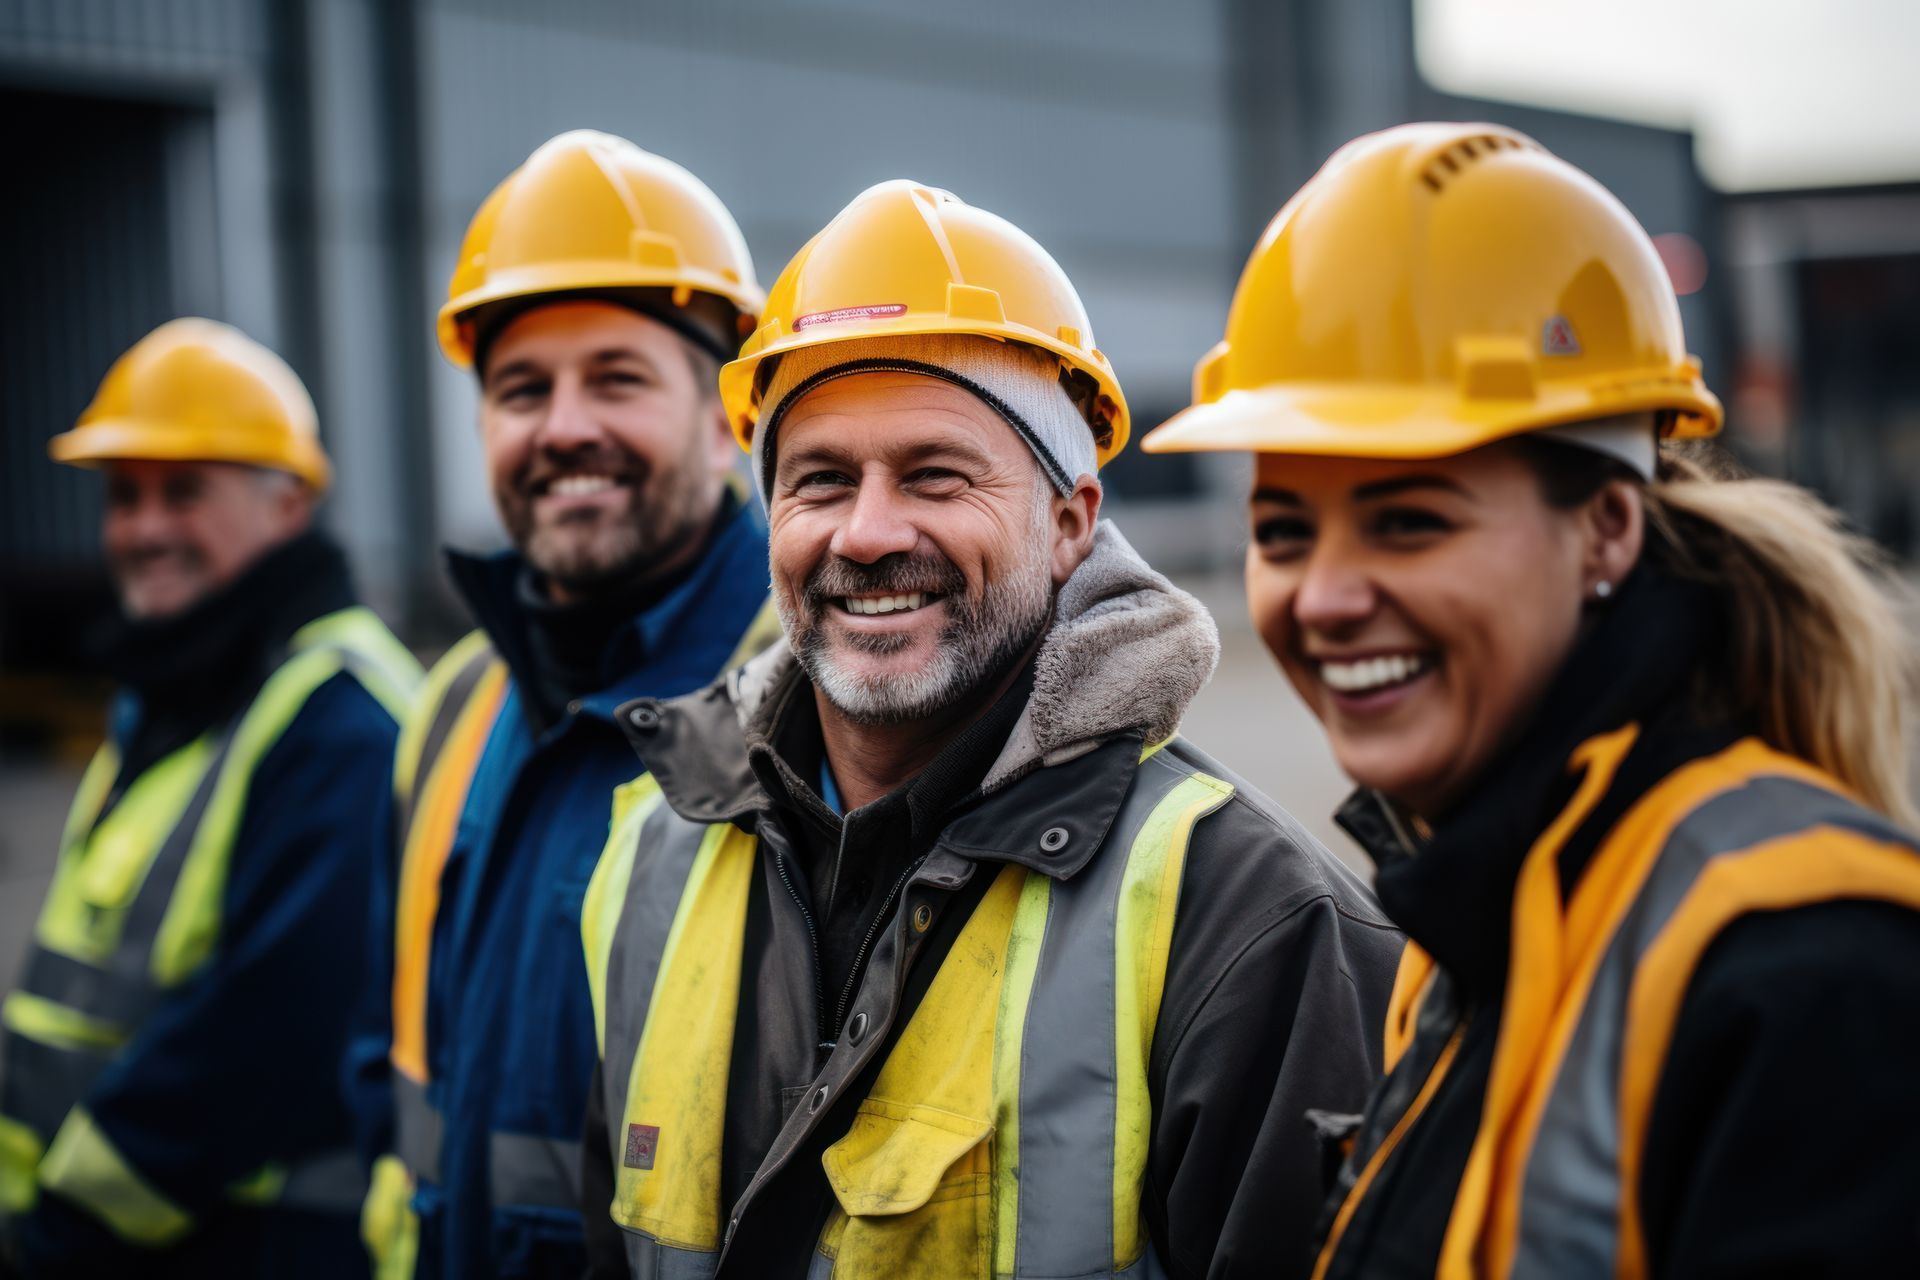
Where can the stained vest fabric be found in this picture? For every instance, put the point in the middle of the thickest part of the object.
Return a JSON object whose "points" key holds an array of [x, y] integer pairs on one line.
{"points": [[471, 1076], [1537, 1120], [1007, 1131], [185, 898], [1024, 1076]]}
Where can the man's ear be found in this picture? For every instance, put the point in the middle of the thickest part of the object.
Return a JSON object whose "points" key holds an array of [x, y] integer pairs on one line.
{"points": [[1614, 527], [723, 451], [1076, 517]]}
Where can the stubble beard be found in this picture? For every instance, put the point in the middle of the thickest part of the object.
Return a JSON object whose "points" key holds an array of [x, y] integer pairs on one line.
{"points": [[666, 510], [975, 648]]}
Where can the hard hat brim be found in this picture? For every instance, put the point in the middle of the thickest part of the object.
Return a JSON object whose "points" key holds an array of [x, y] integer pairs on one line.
{"points": [[1409, 422], [737, 392], [575, 276], [128, 439]]}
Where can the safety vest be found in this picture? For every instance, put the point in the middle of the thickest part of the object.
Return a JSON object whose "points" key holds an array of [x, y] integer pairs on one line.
{"points": [[1007, 1131], [439, 751], [133, 913], [1552, 1184]]}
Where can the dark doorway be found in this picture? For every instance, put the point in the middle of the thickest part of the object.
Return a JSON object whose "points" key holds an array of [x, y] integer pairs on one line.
{"points": [[108, 230]]}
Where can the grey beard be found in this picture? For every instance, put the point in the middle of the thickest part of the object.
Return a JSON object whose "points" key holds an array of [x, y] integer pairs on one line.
{"points": [[978, 645]]}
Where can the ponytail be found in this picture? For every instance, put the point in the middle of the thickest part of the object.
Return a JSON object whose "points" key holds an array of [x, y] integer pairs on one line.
{"points": [[1817, 657]]}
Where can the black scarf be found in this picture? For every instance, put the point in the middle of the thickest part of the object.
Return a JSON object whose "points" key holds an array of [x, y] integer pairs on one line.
{"points": [[201, 667]]}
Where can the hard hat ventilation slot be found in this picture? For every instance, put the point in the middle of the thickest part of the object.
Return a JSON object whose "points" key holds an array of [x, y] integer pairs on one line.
{"points": [[1449, 163]]}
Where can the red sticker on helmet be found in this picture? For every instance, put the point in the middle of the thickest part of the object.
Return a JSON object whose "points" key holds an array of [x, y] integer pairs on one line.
{"points": [[840, 315], [1557, 338]]}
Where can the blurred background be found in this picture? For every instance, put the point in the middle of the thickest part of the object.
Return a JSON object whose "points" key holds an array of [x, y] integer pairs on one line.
{"points": [[304, 169]]}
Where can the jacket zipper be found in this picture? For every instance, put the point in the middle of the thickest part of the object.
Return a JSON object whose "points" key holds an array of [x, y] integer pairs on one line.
{"points": [[822, 1044], [866, 944]]}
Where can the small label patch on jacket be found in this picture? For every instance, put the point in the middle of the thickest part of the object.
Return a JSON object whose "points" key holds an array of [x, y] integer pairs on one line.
{"points": [[641, 1141]]}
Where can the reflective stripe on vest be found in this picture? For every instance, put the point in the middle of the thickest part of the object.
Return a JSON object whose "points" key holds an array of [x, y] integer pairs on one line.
{"points": [[438, 755], [438, 768], [1007, 1131], [1552, 1184], [135, 906]]}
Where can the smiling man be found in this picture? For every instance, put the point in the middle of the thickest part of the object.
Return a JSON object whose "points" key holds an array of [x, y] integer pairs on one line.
{"points": [[598, 291], [167, 1106], [928, 948]]}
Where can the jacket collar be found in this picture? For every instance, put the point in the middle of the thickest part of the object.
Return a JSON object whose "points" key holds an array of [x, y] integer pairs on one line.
{"points": [[492, 586], [181, 675], [1124, 656], [1452, 888]]}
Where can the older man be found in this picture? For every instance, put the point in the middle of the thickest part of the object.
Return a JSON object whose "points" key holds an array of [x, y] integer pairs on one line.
{"points": [[167, 1104], [927, 948], [598, 290]]}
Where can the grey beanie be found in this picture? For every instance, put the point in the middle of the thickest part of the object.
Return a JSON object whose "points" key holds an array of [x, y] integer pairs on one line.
{"points": [[1020, 383], [1631, 438]]}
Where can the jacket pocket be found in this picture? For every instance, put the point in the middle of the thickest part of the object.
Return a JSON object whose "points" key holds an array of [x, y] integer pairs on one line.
{"points": [[915, 1186]]}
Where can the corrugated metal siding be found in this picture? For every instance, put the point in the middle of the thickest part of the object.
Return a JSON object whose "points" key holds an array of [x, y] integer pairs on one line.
{"points": [[155, 36], [87, 265]]}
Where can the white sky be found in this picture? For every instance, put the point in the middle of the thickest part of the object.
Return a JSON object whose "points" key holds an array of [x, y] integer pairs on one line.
{"points": [[1779, 93]]}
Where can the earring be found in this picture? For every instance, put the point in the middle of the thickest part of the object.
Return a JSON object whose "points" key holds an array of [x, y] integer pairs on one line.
{"points": [[1602, 589]]}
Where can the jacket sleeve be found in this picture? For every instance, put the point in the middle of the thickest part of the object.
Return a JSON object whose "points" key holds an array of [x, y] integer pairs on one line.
{"points": [[1276, 1001], [606, 1249], [1781, 1138], [365, 1074], [238, 1068]]}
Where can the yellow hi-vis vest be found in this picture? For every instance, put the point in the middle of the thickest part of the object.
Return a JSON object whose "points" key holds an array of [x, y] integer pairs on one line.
{"points": [[1007, 1131], [1551, 1186], [134, 912], [440, 746]]}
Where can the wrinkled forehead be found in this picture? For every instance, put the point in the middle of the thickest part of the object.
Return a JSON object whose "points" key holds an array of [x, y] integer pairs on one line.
{"points": [[893, 416]]}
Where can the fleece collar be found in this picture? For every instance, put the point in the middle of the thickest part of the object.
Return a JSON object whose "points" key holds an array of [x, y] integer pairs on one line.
{"points": [[1126, 653]]}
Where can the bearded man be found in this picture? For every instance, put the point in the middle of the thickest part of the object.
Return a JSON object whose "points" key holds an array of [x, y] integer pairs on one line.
{"points": [[927, 947], [598, 290]]}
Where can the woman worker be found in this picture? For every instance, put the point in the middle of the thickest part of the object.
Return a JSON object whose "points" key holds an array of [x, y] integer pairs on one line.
{"points": [[1628, 738]]}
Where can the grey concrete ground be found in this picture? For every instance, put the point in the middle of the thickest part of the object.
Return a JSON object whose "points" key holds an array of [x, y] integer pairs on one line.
{"points": [[1247, 718]]}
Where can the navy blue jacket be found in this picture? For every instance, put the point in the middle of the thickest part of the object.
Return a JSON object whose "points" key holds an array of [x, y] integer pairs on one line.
{"points": [[510, 1039], [237, 1069]]}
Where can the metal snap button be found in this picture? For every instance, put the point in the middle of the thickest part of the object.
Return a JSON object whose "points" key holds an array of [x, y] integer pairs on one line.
{"points": [[1053, 839], [817, 1100], [575, 707], [857, 1028], [645, 719], [922, 917]]}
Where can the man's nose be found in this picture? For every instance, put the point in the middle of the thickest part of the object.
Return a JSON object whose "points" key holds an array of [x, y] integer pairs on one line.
{"points": [[878, 525], [570, 422], [141, 520]]}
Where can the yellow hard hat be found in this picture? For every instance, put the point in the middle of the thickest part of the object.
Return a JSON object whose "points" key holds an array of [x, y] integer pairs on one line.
{"points": [[906, 259], [591, 211], [199, 391], [1434, 288]]}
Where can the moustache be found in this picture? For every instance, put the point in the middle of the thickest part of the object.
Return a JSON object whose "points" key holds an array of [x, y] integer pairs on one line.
{"points": [[547, 466], [901, 573], [138, 557]]}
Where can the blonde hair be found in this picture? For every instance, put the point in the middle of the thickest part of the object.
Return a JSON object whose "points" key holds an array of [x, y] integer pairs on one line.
{"points": [[1818, 658]]}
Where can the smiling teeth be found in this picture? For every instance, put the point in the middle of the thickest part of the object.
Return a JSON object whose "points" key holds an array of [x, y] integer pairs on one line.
{"points": [[886, 604], [1370, 674], [579, 486]]}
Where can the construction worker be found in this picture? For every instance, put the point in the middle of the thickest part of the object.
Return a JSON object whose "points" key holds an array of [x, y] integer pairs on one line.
{"points": [[597, 293], [166, 1095], [928, 948], [1628, 736]]}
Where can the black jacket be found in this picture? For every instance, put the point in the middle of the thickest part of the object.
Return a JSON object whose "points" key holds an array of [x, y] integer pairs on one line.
{"points": [[1275, 987], [1781, 1137]]}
